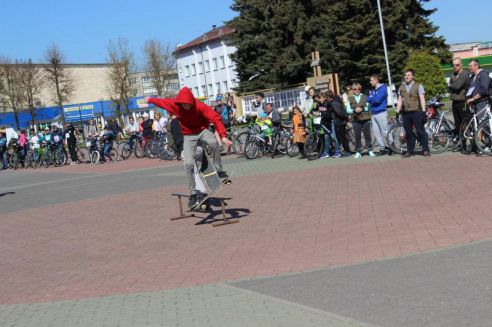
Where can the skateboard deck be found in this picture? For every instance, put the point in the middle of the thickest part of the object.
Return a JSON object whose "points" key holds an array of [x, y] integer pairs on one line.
{"points": [[209, 174], [202, 204]]}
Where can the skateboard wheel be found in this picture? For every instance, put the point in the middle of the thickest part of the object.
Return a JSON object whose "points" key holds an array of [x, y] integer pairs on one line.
{"points": [[203, 206]]}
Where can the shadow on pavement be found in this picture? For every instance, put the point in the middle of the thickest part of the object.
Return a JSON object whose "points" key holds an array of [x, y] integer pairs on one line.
{"points": [[215, 215], [6, 193]]}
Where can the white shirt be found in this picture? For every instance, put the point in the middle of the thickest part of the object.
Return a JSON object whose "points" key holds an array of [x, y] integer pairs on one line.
{"points": [[160, 126], [132, 128]]}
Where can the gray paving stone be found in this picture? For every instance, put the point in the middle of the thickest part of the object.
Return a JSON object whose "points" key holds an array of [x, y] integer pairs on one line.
{"points": [[452, 287], [203, 306]]}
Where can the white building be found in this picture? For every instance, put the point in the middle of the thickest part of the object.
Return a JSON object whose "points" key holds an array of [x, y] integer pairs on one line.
{"points": [[204, 64]]}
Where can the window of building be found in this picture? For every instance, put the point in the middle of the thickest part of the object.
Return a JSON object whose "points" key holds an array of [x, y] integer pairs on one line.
{"points": [[180, 69], [200, 67], [233, 83], [210, 90], [207, 65], [132, 80], [187, 69], [193, 69], [204, 89], [146, 79], [226, 86], [217, 86], [134, 92], [196, 93], [214, 61], [222, 62]]}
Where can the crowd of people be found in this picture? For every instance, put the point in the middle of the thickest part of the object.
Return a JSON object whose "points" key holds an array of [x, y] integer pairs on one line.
{"points": [[325, 111], [368, 113]]}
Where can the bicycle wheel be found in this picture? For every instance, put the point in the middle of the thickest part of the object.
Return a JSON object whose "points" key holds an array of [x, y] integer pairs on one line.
{"points": [[95, 157], [126, 151], [114, 155], [83, 155], [483, 137], [467, 136], [312, 147], [149, 149], [439, 137], [397, 139], [239, 143], [59, 158], [138, 150], [275, 142], [292, 148], [15, 161], [251, 150]]}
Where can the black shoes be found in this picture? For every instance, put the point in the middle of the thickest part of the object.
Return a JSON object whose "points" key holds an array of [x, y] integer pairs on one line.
{"points": [[407, 155], [222, 174]]}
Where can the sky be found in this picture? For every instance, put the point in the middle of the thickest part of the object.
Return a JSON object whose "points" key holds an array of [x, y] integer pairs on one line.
{"points": [[83, 28]]}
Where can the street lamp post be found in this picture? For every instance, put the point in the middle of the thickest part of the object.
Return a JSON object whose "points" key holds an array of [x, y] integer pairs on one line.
{"points": [[386, 53]]}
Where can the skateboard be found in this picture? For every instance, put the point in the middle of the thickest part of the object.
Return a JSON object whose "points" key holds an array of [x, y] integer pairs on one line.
{"points": [[202, 204], [208, 174]]}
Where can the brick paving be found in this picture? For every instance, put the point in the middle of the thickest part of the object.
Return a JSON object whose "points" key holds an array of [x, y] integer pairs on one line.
{"points": [[308, 216]]}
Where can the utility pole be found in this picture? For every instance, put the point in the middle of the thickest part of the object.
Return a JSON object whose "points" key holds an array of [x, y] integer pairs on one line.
{"points": [[390, 82]]}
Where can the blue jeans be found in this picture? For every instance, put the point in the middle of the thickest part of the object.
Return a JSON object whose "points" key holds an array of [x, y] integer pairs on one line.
{"points": [[107, 150], [5, 160], [329, 136]]}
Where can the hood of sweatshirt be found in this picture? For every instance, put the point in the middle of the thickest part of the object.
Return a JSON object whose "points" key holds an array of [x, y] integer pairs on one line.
{"points": [[185, 96]]}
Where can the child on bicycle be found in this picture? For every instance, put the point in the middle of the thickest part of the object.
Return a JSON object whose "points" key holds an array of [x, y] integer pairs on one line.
{"points": [[34, 143], [107, 139], [3, 150], [265, 125]]}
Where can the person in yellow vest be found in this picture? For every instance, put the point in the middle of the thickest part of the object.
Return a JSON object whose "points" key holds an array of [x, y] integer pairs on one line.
{"points": [[411, 105]]}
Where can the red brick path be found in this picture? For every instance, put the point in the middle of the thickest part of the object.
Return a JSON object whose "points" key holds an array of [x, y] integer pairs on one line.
{"points": [[299, 221]]}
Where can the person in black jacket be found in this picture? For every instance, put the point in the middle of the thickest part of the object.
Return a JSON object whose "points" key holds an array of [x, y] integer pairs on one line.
{"points": [[71, 142], [177, 136], [327, 124], [148, 132], [340, 118], [458, 86]]}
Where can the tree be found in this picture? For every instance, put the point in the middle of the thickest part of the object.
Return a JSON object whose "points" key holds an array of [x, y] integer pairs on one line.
{"points": [[122, 64], [59, 78], [428, 72], [274, 39], [159, 65], [10, 79], [31, 81], [271, 43]]}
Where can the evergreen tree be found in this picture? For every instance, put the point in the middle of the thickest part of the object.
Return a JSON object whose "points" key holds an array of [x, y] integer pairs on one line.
{"points": [[428, 72], [275, 38]]}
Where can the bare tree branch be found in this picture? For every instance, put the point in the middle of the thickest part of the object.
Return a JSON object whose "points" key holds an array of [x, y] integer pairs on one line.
{"points": [[159, 65], [31, 81], [122, 65], [10, 79], [59, 78]]}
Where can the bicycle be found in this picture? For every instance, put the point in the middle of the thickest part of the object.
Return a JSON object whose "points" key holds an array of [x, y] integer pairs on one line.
{"points": [[281, 136], [315, 140], [476, 131]]}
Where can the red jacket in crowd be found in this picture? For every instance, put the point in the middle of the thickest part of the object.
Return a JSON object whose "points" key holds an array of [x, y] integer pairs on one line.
{"points": [[192, 121]]}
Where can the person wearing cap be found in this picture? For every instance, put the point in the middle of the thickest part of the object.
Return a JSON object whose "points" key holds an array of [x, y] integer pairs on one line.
{"points": [[258, 104], [194, 118], [3, 149], [225, 111]]}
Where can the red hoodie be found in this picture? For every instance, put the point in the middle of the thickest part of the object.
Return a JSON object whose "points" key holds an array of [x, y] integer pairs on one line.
{"points": [[192, 121]]}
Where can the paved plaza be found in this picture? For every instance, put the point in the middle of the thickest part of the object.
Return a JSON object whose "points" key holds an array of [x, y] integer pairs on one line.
{"points": [[336, 242]]}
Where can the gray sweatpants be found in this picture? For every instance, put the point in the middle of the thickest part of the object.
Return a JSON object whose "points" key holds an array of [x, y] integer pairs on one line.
{"points": [[380, 128], [204, 139]]}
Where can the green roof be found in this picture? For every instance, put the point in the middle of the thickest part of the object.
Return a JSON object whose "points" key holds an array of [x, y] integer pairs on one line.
{"points": [[484, 61]]}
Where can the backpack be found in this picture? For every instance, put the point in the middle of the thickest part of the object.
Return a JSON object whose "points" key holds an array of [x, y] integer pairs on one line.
{"points": [[224, 114]]}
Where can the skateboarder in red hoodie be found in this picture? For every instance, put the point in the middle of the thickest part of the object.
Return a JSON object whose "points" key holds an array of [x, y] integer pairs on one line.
{"points": [[194, 118]]}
